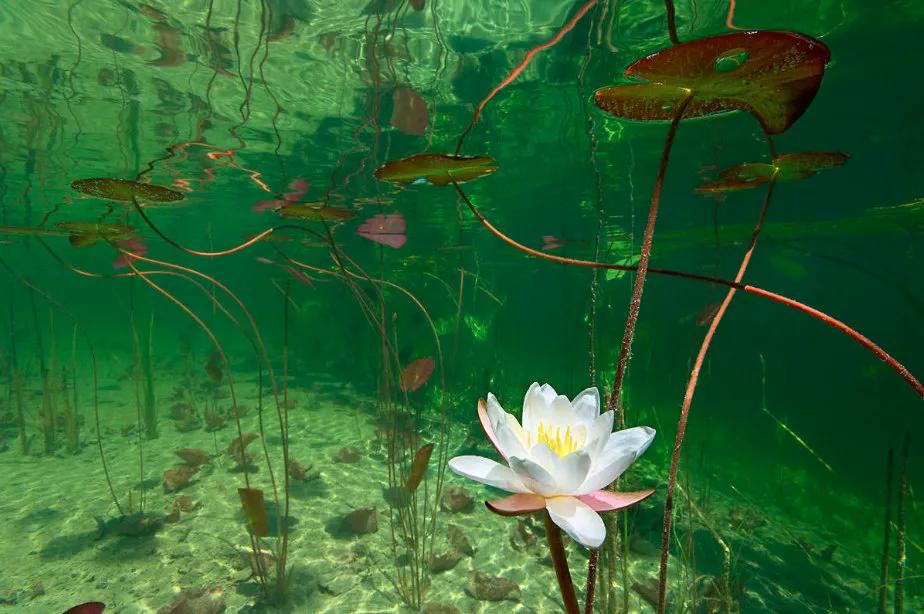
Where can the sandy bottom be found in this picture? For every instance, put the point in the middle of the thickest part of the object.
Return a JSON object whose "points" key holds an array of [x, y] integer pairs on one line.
{"points": [[55, 555]]}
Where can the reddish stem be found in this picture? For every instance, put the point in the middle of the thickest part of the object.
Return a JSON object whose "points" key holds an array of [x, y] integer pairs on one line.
{"points": [[519, 68], [560, 562], [671, 25], [635, 304], [688, 399], [773, 296]]}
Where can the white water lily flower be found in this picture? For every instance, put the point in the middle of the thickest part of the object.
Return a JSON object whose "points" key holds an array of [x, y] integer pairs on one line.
{"points": [[559, 459]]}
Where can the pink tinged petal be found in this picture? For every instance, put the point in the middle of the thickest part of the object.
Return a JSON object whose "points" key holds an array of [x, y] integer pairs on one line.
{"points": [[578, 520], [533, 476], [488, 472], [488, 429], [587, 405], [606, 501], [516, 505]]}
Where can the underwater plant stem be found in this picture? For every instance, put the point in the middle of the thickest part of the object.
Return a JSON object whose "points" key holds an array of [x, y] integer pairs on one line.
{"points": [[886, 535], [591, 585], [519, 68], [900, 556], [688, 397], [749, 289], [642, 273], [560, 562], [671, 22]]}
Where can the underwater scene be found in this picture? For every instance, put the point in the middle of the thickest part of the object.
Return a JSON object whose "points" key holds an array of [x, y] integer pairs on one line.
{"points": [[461, 306]]}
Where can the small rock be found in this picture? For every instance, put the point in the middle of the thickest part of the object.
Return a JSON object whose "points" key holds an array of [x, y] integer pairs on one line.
{"points": [[347, 455], [197, 601], [458, 541], [440, 608], [362, 521], [456, 499], [647, 589], [491, 588], [444, 562]]}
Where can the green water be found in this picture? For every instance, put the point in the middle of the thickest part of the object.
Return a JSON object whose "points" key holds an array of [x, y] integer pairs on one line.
{"points": [[236, 103]]}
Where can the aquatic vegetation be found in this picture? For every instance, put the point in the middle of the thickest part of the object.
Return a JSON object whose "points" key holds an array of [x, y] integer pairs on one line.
{"points": [[435, 169], [409, 112], [320, 212], [385, 229], [125, 190], [416, 374], [788, 167]]}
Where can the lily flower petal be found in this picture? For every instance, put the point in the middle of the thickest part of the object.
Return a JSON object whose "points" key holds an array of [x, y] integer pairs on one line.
{"points": [[586, 405], [533, 476], [516, 505], [488, 472], [578, 520], [487, 426], [605, 472], [607, 501], [637, 439], [510, 442]]}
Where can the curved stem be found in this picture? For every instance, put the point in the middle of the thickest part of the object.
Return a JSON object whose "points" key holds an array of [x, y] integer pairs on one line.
{"points": [[519, 68], [560, 561], [671, 22], [688, 399], [635, 304], [756, 291]]}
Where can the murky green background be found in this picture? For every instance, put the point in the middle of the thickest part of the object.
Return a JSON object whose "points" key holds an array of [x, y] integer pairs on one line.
{"points": [[304, 89]]}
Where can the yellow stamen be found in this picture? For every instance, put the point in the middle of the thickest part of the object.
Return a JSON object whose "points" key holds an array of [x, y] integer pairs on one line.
{"points": [[562, 445]]}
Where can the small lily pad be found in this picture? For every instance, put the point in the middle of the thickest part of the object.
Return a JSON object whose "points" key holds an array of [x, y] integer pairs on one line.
{"points": [[436, 169], [772, 75], [316, 212], [124, 190], [788, 167], [85, 234]]}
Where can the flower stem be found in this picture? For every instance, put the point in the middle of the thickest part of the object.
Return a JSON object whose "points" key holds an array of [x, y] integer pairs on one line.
{"points": [[557, 550]]}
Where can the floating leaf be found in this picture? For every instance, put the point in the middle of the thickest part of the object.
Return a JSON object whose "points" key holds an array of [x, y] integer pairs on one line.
{"points": [[84, 234], [252, 502], [315, 212], [788, 167], [125, 190], [416, 374], [435, 169], [385, 229], [419, 467], [133, 246], [409, 112], [772, 75]]}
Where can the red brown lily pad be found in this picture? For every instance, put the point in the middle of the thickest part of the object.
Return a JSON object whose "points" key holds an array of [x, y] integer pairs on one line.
{"points": [[788, 167], [772, 75], [436, 169], [416, 374], [317, 212], [125, 190]]}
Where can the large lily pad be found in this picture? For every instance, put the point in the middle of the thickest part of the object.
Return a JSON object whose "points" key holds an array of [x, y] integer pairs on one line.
{"points": [[316, 212], [124, 190], [772, 75], [788, 167], [436, 169]]}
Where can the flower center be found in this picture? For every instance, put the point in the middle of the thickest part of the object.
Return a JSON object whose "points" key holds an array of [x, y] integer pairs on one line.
{"points": [[560, 443]]}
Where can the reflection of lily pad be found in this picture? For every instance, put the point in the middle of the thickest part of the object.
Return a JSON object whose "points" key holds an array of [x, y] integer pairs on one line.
{"points": [[436, 169], [788, 167], [125, 190], [772, 75], [84, 234], [316, 212]]}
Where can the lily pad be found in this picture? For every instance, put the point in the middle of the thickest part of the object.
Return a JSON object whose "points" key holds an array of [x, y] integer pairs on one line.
{"points": [[788, 167], [436, 169], [125, 190], [85, 234], [316, 212], [772, 75]]}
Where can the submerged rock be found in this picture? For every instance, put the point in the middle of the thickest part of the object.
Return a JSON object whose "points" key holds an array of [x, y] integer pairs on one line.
{"points": [[458, 541], [133, 525], [347, 455], [196, 601], [440, 608], [362, 521], [456, 499], [483, 587], [445, 561]]}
